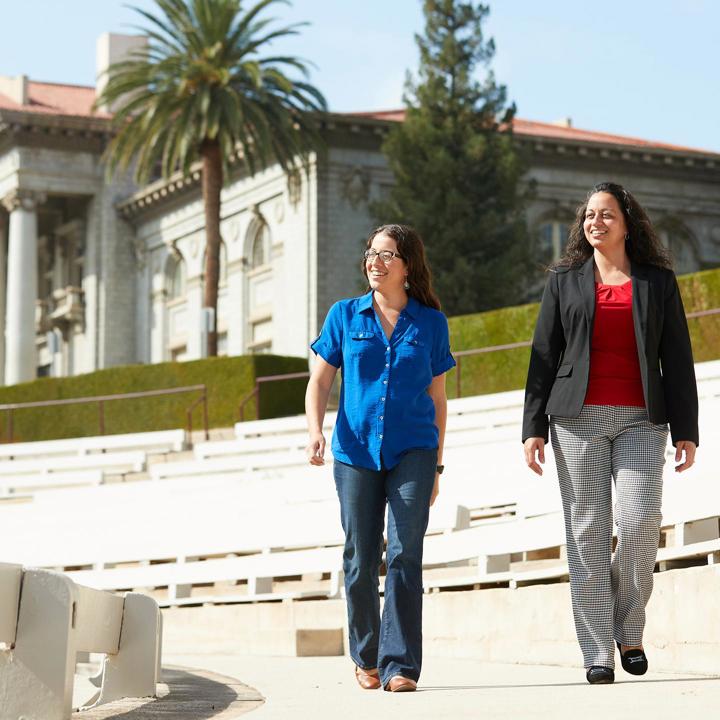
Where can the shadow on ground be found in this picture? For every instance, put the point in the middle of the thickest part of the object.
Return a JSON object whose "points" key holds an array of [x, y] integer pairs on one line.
{"points": [[190, 695]]}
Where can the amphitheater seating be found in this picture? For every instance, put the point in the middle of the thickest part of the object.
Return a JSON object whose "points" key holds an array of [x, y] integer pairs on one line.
{"points": [[256, 572], [44, 626], [177, 519], [117, 462], [11, 484], [228, 465], [162, 441], [249, 517]]}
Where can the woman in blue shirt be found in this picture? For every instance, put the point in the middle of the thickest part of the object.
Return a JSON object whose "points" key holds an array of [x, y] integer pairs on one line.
{"points": [[392, 345]]}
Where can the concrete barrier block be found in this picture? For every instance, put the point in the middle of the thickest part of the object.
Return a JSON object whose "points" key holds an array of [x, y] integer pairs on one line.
{"points": [[319, 642]]}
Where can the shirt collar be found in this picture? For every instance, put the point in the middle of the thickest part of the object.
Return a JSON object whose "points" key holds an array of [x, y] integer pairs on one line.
{"points": [[412, 308], [365, 303]]}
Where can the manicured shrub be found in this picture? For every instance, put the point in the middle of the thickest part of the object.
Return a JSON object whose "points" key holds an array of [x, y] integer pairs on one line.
{"points": [[228, 380]]}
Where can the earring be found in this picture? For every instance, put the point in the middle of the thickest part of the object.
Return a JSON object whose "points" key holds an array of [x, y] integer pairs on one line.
{"points": [[407, 284]]}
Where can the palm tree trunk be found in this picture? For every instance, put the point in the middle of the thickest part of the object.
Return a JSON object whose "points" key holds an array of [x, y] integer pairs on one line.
{"points": [[212, 179]]}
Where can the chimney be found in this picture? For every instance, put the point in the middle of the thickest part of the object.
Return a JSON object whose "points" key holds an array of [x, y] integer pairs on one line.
{"points": [[15, 88], [565, 122], [110, 49]]}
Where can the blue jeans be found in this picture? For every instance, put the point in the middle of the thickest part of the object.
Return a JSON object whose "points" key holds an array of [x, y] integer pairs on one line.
{"points": [[393, 644]]}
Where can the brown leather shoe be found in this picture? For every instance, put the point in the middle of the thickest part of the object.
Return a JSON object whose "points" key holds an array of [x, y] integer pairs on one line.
{"points": [[367, 679], [398, 683]]}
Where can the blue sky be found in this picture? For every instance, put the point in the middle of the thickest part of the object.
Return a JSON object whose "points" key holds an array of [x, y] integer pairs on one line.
{"points": [[649, 70]]}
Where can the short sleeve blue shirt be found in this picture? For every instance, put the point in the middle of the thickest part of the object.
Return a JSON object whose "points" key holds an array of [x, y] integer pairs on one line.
{"points": [[385, 408]]}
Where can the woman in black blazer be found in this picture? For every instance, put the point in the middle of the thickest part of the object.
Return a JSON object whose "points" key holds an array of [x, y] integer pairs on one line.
{"points": [[611, 365]]}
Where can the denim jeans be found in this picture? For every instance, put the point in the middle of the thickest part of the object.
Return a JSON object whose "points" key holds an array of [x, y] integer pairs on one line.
{"points": [[393, 644]]}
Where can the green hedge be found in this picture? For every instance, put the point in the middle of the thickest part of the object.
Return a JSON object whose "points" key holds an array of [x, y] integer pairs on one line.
{"points": [[228, 379], [507, 369]]}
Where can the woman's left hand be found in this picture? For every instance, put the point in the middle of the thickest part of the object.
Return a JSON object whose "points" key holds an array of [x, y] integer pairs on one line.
{"points": [[689, 447], [435, 490]]}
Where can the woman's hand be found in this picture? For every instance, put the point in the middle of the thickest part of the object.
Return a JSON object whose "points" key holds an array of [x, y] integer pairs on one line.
{"points": [[315, 449], [689, 447], [435, 490], [531, 446]]}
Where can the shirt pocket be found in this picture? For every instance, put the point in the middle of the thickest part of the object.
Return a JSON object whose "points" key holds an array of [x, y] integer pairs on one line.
{"points": [[413, 357], [366, 355], [362, 342]]}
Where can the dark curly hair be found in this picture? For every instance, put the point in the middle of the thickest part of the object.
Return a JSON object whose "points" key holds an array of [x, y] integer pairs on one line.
{"points": [[412, 250], [641, 242]]}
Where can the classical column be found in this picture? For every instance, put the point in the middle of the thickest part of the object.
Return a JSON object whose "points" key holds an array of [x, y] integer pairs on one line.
{"points": [[22, 286]]}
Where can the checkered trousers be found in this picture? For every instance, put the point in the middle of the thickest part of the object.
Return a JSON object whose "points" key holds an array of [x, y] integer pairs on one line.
{"points": [[609, 591]]}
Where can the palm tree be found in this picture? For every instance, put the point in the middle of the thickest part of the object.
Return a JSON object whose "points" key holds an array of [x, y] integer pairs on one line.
{"points": [[199, 91]]}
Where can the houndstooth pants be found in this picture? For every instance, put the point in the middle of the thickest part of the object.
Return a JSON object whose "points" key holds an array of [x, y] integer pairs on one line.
{"points": [[609, 592]]}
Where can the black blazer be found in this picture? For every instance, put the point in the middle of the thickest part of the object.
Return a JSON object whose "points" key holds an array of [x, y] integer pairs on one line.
{"points": [[560, 357]]}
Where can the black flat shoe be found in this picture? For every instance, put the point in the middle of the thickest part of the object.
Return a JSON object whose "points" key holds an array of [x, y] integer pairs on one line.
{"points": [[633, 661], [600, 675]]}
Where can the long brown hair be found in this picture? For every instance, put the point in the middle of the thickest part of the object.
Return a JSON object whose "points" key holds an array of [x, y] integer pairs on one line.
{"points": [[411, 249], [641, 242]]}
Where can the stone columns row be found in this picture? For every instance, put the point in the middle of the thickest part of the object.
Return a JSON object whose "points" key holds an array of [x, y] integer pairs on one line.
{"points": [[22, 286]]}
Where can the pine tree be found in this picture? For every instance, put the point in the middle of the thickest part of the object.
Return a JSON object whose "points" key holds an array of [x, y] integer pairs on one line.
{"points": [[457, 170]]}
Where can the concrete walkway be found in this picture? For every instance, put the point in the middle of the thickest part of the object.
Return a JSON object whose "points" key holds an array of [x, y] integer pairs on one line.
{"points": [[183, 695], [320, 688]]}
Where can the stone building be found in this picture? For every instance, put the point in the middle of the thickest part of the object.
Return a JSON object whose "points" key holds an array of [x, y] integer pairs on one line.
{"points": [[97, 272]]}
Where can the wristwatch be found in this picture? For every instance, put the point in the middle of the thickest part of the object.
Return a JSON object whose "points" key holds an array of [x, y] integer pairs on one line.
{"points": [[439, 469]]}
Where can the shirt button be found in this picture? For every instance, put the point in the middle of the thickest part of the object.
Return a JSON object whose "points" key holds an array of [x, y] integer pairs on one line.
{"points": [[380, 435], [383, 399], [381, 417], [387, 364], [388, 348], [384, 382]]}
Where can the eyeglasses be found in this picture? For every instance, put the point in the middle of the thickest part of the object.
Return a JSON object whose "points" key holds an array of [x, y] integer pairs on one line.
{"points": [[385, 255]]}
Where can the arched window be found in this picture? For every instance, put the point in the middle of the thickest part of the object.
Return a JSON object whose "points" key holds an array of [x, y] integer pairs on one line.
{"points": [[176, 276], [223, 264], [259, 288], [259, 253], [552, 238], [682, 245]]}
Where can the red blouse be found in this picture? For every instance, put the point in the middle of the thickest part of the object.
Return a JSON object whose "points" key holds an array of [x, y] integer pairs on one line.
{"points": [[614, 367]]}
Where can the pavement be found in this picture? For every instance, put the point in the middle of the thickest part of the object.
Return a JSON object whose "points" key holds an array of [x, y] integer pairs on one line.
{"points": [[182, 695], [324, 688]]}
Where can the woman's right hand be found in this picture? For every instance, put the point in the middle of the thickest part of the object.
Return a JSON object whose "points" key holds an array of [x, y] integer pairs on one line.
{"points": [[531, 446], [315, 449]]}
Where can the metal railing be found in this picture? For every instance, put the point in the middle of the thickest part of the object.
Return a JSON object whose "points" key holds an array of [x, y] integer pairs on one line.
{"points": [[458, 355], [255, 393], [9, 408]]}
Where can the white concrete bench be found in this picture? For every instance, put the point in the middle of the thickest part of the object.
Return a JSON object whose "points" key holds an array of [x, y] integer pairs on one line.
{"points": [[267, 443], [162, 441], [10, 484], [228, 465], [274, 426], [202, 519], [118, 462], [46, 619], [258, 572], [491, 545]]}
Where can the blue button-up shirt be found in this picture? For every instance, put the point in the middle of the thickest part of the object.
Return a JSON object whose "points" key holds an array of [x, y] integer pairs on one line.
{"points": [[385, 408]]}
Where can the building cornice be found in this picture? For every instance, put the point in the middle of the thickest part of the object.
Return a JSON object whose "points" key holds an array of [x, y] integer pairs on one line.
{"points": [[16, 121], [705, 165]]}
